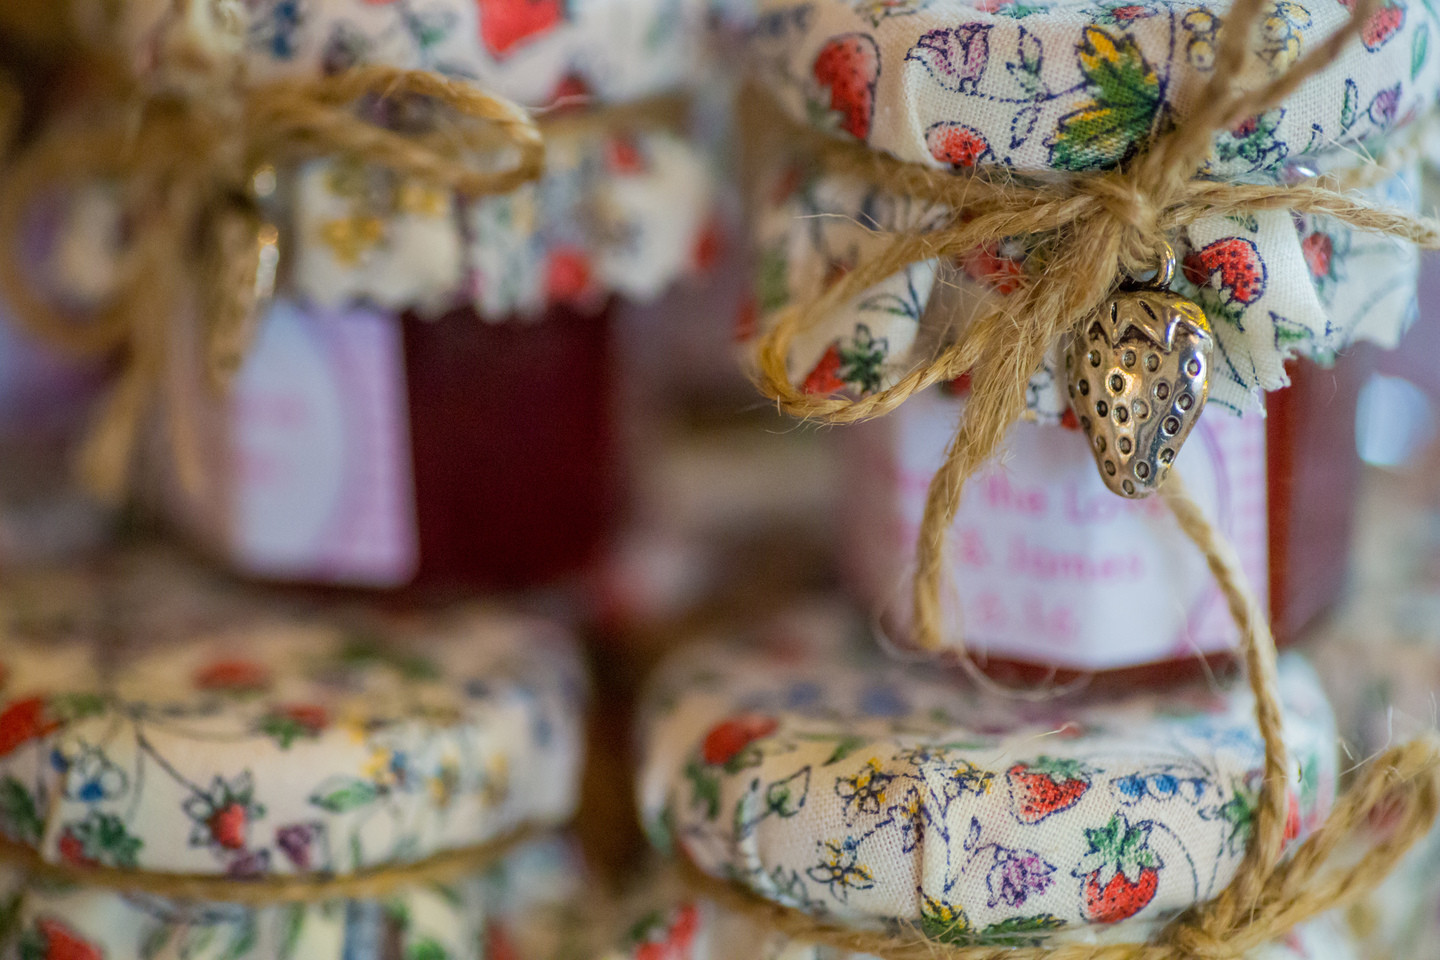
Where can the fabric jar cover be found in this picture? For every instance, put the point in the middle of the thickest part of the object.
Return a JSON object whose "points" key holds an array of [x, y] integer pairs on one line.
{"points": [[624, 207], [158, 722], [1050, 88], [806, 768], [507, 910]]}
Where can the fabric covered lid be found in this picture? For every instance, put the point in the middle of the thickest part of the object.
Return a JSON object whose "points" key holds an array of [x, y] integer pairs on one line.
{"points": [[154, 720], [508, 910], [627, 210], [1073, 85], [532, 51], [802, 765], [1052, 88]]}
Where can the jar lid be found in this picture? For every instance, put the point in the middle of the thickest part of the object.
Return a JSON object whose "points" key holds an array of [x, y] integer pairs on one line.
{"points": [[1068, 85], [154, 720], [1056, 87], [804, 766], [535, 52]]}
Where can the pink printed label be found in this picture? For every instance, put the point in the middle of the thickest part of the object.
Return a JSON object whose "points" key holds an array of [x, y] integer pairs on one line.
{"points": [[1048, 566], [322, 488]]}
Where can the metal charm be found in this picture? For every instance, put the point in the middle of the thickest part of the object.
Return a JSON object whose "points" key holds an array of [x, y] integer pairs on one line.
{"points": [[1138, 373]]}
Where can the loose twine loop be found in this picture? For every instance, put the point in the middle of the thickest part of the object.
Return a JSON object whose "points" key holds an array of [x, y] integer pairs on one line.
{"points": [[1094, 227], [378, 883], [1269, 894], [185, 165]]}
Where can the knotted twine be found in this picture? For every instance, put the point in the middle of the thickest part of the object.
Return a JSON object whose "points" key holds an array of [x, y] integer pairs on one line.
{"points": [[1095, 228], [189, 164]]}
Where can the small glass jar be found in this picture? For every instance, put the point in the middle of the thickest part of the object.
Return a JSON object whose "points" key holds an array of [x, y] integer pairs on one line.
{"points": [[365, 449]]}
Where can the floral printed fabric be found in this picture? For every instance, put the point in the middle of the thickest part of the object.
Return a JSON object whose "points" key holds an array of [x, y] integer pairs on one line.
{"points": [[506, 912], [1074, 86], [810, 770], [531, 51], [171, 727], [624, 211]]}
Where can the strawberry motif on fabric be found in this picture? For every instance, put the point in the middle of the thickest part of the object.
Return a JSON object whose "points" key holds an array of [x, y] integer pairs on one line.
{"points": [[506, 24], [1044, 787], [848, 67], [49, 938], [807, 769], [1119, 873], [1383, 24]]}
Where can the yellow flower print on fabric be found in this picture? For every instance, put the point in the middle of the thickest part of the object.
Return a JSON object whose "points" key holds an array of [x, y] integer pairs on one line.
{"points": [[421, 199], [1281, 43], [497, 779], [865, 791], [350, 238], [444, 783], [1202, 26], [1281, 29]]}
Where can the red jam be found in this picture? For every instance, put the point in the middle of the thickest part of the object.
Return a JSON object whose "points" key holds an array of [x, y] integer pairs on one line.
{"points": [[513, 444]]}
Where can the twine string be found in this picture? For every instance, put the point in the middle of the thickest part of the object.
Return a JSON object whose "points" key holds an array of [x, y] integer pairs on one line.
{"points": [[1269, 893], [1095, 229]]}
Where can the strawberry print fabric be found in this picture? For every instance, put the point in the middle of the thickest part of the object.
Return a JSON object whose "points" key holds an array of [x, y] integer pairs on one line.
{"points": [[505, 912], [1061, 87], [175, 727], [817, 774]]}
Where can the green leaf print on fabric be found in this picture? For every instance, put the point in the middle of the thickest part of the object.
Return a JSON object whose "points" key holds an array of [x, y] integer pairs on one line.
{"points": [[341, 794], [100, 840], [1125, 103], [18, 814]]}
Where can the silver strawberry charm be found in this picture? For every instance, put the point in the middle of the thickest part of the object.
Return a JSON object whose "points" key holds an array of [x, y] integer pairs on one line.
{"points": [[1137, 372]]}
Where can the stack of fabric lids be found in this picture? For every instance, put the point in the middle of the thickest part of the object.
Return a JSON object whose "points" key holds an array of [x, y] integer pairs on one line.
{"points": [[190, 770]]}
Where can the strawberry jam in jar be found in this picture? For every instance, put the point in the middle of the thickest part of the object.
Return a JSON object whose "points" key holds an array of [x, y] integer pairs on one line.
{"points": [[1052, 577], [512, 444]]}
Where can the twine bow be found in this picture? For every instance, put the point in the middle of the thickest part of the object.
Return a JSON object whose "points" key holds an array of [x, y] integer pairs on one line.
{"points": [[1270, 892], [186, 164], [1096, 228]]}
